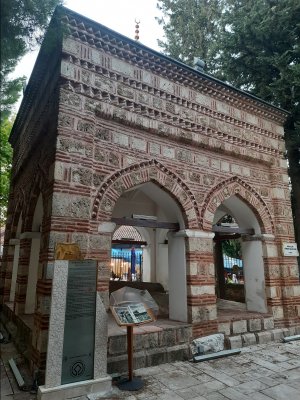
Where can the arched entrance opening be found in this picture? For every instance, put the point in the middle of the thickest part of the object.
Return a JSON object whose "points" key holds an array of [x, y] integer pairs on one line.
{"points": [[229, 264], [156, 215], [245, 228]]}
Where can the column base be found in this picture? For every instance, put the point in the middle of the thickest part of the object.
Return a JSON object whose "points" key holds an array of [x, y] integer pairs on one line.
{"points": [[98, 386]]}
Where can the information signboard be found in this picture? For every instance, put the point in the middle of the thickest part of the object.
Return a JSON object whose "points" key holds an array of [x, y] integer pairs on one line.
{"points": [[79, 332], [290, 249], [132, 314]]}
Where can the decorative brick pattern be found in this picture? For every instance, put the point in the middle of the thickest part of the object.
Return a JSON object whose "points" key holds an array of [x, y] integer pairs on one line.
{"points": [[118, 115]]}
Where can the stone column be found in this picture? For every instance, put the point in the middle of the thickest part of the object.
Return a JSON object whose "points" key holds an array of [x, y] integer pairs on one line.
{"points": [[23, 270], [254, 272], [289, 290], [32, 272], [286, 285], [6, 271], [282, 283], [100, 250], [220, 270], [201, 296], [16, 244]]}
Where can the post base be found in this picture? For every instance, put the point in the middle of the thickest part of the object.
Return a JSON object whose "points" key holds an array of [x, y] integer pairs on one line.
{"points": [[131, 385], [77, 389]]}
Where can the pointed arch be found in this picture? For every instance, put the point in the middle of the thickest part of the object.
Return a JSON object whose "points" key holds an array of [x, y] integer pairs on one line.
{"points": [[236, 186], [36, 189], [148, 171]]}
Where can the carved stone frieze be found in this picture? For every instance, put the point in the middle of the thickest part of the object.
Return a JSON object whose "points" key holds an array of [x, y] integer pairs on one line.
{"points": [[170, 70], [171, 115]]}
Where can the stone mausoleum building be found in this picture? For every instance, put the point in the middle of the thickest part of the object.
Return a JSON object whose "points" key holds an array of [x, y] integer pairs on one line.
{"points": [[111, 133]]}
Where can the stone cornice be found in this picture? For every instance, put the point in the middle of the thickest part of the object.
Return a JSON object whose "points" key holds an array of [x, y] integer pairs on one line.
{"points": [[191, 106], [98, 36]]}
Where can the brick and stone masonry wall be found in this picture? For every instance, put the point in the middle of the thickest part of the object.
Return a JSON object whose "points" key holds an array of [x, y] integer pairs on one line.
{"points": [[127, 116], [124, 118]]}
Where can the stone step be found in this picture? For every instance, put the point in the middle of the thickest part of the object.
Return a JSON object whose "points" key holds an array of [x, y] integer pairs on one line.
{"points": [[249, 339], [163, 344], [148, 358], [245, 325]]}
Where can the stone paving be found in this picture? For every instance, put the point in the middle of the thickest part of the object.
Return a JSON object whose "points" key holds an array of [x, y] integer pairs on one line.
{"points": [[262, 372]]}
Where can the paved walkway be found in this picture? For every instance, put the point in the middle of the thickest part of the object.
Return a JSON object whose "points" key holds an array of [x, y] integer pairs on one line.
{"points": [[262, 372]]}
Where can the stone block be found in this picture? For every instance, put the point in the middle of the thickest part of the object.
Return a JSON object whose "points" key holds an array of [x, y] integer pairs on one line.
{"points": [[87, 389], [139, 360], [202, 290], [286, 332], [278, 193], [139, 341], [184, 335], [234, 342], [205, 313], [66, 205], [225, 166], [168, 152], [167, 337], [297, 330], [292, 330], [263, 337], [117, 364], [176, 353], [138, 144], [268, 323], [254, 325], [277, 334], [120, 139], [117, 344], [224, 327], [239, 326], [248, 339], [156, 356], [208, 344], [151, 340], [154, 148]]}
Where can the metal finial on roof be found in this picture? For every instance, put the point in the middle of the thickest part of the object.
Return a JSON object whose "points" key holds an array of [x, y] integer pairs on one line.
{"points": [[137, 28]]}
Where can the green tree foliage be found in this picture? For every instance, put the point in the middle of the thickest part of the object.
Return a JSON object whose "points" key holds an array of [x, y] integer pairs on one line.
{"points": [[259, 51], [190, 28], [232, 248], [23, 23], [5, 166], [22, 26], [252, 44]]}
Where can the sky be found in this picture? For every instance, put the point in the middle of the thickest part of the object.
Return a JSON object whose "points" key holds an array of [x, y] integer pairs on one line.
{"points": [[119, 15]]}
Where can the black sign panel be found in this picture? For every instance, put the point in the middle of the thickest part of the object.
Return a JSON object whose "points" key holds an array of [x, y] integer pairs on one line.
{"points": [[79, 333]]}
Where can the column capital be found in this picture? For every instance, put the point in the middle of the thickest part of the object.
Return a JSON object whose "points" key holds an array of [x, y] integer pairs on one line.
{"points": [[191, 233], [106, 227]]}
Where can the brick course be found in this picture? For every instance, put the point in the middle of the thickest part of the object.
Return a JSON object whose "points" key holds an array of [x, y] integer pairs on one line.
{"points": [[115, 116]]}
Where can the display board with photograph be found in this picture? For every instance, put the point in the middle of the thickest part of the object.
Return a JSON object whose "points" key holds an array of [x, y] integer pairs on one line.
{"points": [[132, 314]]}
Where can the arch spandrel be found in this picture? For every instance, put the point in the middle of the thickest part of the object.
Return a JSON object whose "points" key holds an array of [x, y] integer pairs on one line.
{"points": [[236, 187], [137, 174]]}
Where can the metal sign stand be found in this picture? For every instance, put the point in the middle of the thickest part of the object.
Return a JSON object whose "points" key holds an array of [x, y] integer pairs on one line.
{"points": [[132, 383]]}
